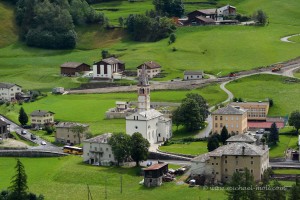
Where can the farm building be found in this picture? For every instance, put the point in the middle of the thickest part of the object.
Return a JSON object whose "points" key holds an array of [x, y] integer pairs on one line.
{"points": [[193, 75], [108, 68], [74, 68], [153, 175]]}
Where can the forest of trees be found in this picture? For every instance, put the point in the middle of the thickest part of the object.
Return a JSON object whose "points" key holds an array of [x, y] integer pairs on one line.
{"points": [[50, 23]]}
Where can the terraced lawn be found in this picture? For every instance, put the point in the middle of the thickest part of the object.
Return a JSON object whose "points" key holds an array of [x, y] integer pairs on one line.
{"points": [[284, 93], [191, 148]]}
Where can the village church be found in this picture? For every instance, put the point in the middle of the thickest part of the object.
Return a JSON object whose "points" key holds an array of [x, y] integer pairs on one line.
{"points": [[149, 122]]}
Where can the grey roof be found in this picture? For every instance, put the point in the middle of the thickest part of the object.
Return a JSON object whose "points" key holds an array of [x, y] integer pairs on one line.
{"points": [[236, 149], [206, 20], [193, 72], [201, 158], [112, 60], [150, 114], [249, 102], [209, 11], [8, 85], [241, 138], [69, 125], [229, 110], [3, 123], [100, 138], [150, 65], [71, 64], [40, 113]]}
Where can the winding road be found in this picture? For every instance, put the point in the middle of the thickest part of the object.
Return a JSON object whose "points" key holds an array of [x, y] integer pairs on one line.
{"points": [[286, 39]]}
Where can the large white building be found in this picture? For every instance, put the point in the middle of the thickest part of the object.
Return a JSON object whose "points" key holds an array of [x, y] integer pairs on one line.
{"points": [[149, 122], [8, 91], [97, 151], [108, 68]]}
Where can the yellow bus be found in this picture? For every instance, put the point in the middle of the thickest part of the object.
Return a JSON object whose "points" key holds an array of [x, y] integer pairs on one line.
{"points": [[73, 150]]}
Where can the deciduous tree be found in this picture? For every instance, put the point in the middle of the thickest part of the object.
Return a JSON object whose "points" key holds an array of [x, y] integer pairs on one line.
{"points": [[139, 148], [120, 144], [294, 120]]}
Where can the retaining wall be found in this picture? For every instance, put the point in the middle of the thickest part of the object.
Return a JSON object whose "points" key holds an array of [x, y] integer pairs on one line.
{"points": [[29, 153]]}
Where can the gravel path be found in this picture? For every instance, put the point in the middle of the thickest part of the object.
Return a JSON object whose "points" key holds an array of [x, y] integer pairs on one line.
{"points": [[286, 39]]}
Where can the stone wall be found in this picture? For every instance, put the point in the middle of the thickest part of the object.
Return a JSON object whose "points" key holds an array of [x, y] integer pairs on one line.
{"points": [[165, 156], [29, 153]]}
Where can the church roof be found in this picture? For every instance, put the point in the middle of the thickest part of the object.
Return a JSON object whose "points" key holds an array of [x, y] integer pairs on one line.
{"points": [[150, 114]]}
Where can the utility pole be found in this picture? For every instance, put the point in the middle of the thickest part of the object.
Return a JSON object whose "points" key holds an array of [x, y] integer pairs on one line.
{"points": [[89, 193], [105, 192]]}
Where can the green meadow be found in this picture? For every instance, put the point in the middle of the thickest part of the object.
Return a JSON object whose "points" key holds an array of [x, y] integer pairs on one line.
{"points": [[284, 93], [189, 148], [91, 108], [67, 178], [215, 49], [285, 142]]}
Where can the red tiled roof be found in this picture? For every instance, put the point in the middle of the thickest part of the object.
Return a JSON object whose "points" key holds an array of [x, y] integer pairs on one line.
{"points": [[264, 124], [155, 166]]}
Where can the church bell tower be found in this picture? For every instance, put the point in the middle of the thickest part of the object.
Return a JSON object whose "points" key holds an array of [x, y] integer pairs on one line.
{"points": [[143, 91]]}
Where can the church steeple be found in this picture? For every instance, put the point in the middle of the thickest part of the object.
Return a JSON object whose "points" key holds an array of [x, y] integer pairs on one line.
{"points": [[143, 91]]}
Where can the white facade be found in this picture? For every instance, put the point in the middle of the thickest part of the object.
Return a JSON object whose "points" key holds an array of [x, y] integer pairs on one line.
{"points": [[150, 72], [97, 151], [225, 11], [151, 124], [105, 71], [8, 91]]}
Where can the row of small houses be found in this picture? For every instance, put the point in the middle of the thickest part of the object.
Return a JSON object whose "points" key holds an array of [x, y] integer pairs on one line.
{"points": [[113, 68]]}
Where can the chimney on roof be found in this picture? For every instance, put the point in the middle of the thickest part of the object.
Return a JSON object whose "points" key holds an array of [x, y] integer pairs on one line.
{"points": [[243, 150]]}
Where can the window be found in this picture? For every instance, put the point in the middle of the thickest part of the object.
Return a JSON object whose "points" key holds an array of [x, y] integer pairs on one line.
{"points": [[214, 157], [212, 163], [105, 69], [109, 155], [217, 172], [225, 161], [225, 170], [221, 117], [136, 127], [216, 125], [251, 162], [226, 118], [221, 125], [98, 69], [216, 117], [217, 163]]}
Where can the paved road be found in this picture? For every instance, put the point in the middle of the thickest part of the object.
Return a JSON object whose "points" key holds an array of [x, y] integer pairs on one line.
{"points": [[286, 164], [286, 39], [16, 128]]}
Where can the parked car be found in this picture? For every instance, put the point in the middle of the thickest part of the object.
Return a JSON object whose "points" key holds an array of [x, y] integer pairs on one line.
{"points": [[43, 143], [33, 137], [23, 132], [149, 163]]}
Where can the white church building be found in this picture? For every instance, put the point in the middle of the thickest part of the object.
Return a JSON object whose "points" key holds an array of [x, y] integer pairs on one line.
{"points": [[149, 122]]}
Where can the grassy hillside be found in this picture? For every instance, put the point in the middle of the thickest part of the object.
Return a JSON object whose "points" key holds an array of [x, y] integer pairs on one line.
{"points": [[8, 32], [216, 49], [67, 178], [285, 94]]}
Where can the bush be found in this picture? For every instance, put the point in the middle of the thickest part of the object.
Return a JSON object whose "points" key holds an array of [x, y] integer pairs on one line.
{"points": [[2, 102], [7, 103]]}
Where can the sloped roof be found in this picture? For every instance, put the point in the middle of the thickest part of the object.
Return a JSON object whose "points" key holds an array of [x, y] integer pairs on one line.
{"points": [[236, 149], [100, 138], [112, 60], [193, 72], [206, 20], [150, 114], [155, 166], [72, 64], [209, 11], [69, 124], [229, 110], [3, 123], [201, 158], [241, 138], [150, 65], [40, 113], [8, 85]]}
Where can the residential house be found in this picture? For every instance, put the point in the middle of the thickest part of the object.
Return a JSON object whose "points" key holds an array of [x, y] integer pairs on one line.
{"points": [[4, 129], [149, 122], [220, 164], [58, 90], [108, 68], [225, 11], [153, 175], [66, 134], [74, 68], [235, 120], [244, 138], [202, 17], [255, 110], [41, 117], [193, 75], [97, 151], [152, 68], [9, 91]]}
